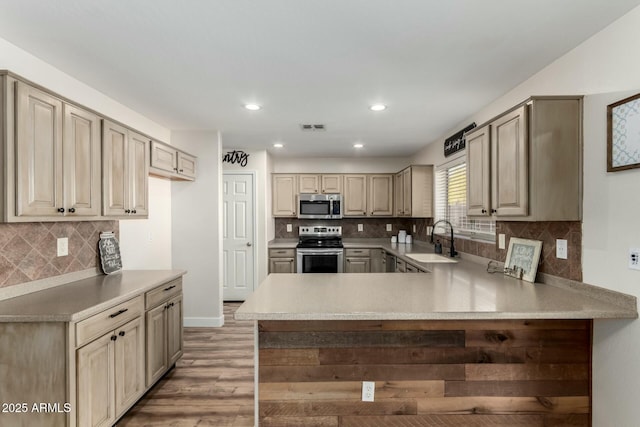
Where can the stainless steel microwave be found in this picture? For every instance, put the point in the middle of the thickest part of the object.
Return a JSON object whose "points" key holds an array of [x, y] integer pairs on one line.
{"points": [[319, 206]]}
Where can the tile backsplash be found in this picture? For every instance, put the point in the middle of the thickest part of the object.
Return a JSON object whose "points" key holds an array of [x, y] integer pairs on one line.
{"points": [[28, 251], [372, 227]]}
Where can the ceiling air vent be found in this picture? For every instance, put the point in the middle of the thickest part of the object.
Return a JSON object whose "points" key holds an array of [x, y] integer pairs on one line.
{"points": [[312, 128]]}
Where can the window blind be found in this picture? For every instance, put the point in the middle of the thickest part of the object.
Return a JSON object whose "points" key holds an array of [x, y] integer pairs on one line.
{"points": [[451, 204]]}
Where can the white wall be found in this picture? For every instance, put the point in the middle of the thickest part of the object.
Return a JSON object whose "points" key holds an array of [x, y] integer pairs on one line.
{"points": [[196, 218], [145, 244], [606, 68], [340, 165], [258, 164]]}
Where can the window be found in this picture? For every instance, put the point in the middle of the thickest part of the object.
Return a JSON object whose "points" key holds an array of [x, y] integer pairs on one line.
{"points": [[451, 204]]}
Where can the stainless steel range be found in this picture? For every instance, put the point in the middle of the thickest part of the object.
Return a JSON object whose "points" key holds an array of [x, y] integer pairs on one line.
{"points": [[320, 249]]}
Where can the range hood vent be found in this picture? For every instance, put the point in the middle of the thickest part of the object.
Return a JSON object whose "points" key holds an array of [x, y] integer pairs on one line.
{"points": [[312, 128]]}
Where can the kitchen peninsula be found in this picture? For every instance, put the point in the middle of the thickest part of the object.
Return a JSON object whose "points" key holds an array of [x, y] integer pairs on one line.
{"points": [[457, 345]]}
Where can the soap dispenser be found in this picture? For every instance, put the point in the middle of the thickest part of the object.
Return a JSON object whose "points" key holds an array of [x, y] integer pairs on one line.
{"points": [[438, 248]]}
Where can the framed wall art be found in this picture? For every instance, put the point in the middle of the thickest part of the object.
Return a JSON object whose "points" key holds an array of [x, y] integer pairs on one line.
{"points": [[623, 134], [523, 257]]}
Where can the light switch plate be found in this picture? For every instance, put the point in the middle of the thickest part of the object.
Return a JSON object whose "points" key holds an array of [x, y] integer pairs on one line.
{"points": [[634, 258], [63, 246], [501, 241], [289, 228], [389, 227], [561, 249], [360, 228], [368, 391]]}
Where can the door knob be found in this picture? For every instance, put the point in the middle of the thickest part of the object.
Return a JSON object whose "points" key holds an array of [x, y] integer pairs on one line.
{"points": [[248, 243]]}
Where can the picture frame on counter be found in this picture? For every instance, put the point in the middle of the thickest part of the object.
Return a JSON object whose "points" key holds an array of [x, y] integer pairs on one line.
{"points": [[523, 257], [623, 134]]}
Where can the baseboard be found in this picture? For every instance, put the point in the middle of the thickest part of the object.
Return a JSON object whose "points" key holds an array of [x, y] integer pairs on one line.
{"points": [[203, 322]]}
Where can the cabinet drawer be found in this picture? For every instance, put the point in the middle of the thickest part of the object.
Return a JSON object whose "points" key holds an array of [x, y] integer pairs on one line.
{"points": [[162, 293], [282, 253], [101, 323], [357, 252]]}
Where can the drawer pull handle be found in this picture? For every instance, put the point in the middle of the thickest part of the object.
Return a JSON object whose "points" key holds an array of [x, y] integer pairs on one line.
{"points": [[121, 333], [118, 313], [169, 288]]}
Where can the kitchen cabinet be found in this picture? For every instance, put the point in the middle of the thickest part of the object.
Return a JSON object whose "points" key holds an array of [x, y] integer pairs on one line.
{"points": [[163, 329], [284, 188], [526, 164], [282, 260], [172, 163], [368, 195], [355, 195], [125, 169], [413, 192], [110, 368], [56, 147], [315, 184], [378, 260], [401, 266], [357, 261]]}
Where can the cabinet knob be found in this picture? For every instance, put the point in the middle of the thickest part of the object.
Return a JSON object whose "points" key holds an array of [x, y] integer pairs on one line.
{"points": [[493, 211], [127, 211], [134, 211], [113, 337], [61, 210], [484, 211], [121, 333], [181, 170], [72, 210]]}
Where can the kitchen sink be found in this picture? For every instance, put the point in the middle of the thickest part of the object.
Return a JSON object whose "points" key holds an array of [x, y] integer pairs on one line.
{"points": [[431, 258]]}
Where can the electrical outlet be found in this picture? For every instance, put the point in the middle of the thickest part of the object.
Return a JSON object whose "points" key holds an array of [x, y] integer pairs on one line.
{"points": [[368, 391], [561, 249], [634, 258], [289, 228], [389, 227], [414, 228], [429, 230], [501, 241], [63, 246], [360, 227]]}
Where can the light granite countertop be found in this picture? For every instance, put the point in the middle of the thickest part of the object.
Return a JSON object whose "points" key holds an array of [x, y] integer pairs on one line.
{"points": [[83, 298], [464, 290]]}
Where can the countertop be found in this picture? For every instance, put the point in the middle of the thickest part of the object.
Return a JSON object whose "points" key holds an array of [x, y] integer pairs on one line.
{"points": [[464, 290], [83, 298]]}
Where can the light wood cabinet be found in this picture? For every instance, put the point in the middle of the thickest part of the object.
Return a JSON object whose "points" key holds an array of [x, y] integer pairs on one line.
{"points": [[57, 151], [526, 165], [282, 260], [172, 163], [413, 192], [284, 188], [331, 184], [357, 260], [355, 195], [378, 261], [164, 329], [125, 171], [316, 184], [380, 200]]}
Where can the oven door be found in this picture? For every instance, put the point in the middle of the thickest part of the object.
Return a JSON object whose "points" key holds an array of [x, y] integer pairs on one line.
{"points": [[320, 260]]}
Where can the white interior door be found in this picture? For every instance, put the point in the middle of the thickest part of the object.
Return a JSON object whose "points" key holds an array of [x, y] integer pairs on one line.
{"points": [[238, 236]]}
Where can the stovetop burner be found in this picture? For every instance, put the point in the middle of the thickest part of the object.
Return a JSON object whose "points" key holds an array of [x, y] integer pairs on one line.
{"points": [[320, 237]]}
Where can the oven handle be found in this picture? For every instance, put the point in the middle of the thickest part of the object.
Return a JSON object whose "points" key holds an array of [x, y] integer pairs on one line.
{"points": [[307, 251]]}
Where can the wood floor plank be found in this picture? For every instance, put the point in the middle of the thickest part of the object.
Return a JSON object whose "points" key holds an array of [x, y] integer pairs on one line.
{"points": [[505, 405]]}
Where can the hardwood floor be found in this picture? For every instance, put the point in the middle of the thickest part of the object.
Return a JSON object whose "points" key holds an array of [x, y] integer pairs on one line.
{"points": [[211, 385]]}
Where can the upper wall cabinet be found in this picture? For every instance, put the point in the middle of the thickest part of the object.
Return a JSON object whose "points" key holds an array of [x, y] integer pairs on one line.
{"points": [[52, 158], [526, 165], [368, 195], [284, 189], [125, 169], [413, 192], [320, 184], [172, 163]]}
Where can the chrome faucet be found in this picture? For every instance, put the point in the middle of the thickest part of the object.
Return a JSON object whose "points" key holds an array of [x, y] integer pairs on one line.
{"points": [[453, 252]]}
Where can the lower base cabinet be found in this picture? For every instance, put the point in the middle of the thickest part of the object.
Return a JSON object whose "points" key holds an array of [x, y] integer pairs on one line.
{"points": [[164, 338], [357, 260], [282, 260]]}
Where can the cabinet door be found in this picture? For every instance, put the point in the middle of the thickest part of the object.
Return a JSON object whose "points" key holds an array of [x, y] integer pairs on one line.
{"points": [[309, 184], [331, 184], [378, 261], [284, 195], [186, 165], [509, 159], [139, 174], [81, 153], [380, 200], [355, 195], [174, 330], [129, 365], [479, 172], [39, 163], [406, 192], [282, 265], [398, 192], [401, 266], [95, 382], [156, 344], [357, 265], [115, 173], [164, 157]]}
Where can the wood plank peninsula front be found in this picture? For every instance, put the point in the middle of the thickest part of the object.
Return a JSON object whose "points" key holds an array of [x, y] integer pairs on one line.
{"points": [[456, 346]]}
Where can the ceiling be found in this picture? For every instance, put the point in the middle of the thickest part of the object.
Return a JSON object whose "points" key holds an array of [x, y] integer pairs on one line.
{"points": [[193, 64]]}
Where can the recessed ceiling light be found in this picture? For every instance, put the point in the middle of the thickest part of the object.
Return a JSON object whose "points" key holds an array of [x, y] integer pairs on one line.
{"points": [[252, 107], [358, 145], [278, 145], [378, 107]]}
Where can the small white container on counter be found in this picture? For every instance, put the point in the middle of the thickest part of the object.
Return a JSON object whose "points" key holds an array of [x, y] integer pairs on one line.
{"points": [[408, 240], [402, 236], [394, 239]]}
